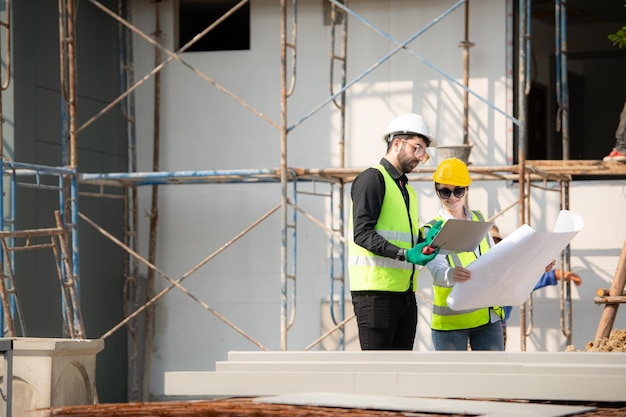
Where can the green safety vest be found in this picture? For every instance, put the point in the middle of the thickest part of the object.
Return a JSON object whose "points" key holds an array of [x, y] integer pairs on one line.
{"points": [[443, 317], [371, 272]]}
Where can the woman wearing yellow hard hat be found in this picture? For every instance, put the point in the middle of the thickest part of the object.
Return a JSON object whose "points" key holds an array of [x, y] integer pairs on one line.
{"points": [[477, 329]]}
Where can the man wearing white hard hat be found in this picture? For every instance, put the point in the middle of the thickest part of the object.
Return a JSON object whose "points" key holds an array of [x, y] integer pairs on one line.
{"points": [[385, 239]]}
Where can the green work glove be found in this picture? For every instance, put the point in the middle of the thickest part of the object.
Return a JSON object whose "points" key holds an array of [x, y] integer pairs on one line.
{"points": [[416, 254], [422, 253], [433, 231]]}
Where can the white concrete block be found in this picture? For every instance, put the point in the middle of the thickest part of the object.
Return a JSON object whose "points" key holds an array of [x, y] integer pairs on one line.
{"points": [[575, 376], [49, 372]]}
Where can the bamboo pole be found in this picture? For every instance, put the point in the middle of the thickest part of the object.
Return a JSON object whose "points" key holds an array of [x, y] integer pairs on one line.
{"points": [[610, 310]]}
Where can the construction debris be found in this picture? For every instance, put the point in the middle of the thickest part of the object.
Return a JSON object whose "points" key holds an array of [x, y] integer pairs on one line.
{"points": [[616, 342], [246, 407], [233, 407]]}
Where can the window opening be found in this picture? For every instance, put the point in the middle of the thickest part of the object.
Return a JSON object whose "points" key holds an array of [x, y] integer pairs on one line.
{"points": [[233, 34]]}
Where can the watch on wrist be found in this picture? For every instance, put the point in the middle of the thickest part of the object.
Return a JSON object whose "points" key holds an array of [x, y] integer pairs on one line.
{"points": [[401, 255]]}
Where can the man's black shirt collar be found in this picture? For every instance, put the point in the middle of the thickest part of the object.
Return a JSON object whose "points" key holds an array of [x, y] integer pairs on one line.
{"points": [[393, 171]]}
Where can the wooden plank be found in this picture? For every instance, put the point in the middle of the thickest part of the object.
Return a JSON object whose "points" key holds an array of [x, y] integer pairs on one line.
{"points": [[31, 233], [610, 300], [604, 292], [610, 310]]}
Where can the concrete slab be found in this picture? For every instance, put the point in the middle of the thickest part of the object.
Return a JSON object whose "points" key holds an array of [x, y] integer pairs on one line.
{"points": [[422, 367], [565, 376], [496, 386], [429, 356]]}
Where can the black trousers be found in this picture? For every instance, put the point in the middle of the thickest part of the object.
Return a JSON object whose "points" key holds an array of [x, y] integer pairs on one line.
{"points": [[386, 320]]}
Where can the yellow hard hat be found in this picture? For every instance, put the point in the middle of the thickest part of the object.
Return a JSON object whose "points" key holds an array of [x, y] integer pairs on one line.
{"points": [[452, 171]]}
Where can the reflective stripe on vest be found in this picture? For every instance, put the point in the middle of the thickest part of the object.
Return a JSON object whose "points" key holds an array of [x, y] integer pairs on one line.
{"points": [[371, 272], [443, 317]]}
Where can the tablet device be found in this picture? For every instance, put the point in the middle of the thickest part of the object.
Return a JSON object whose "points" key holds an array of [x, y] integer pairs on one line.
{"points": [[461, 235]]}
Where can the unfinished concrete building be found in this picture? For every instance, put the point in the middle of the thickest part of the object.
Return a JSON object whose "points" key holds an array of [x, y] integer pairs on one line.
{"points": [[176, 173]]}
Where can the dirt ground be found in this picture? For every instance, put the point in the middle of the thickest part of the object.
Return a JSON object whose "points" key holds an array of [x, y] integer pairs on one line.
{"points": [[616, 342]]}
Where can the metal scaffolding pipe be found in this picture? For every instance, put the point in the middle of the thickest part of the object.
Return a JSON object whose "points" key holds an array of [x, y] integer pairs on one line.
{"points": [[466, 45], [338, 17], [562, 93]]}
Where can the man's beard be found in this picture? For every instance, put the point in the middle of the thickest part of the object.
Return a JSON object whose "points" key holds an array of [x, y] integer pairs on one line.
{"points": [[407, 165]]}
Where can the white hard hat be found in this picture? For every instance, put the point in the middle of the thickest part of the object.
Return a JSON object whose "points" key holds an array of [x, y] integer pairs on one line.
{"points": [[408, 124]]}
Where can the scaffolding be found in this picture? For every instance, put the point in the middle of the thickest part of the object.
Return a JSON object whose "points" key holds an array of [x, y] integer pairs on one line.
{"points": [[70, 184]]}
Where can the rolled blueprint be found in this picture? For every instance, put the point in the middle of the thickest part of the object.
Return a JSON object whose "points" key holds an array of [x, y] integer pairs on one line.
{"points": [[509, 271]]}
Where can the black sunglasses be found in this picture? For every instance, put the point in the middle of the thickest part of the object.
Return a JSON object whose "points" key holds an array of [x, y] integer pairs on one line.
{"points": [[445, 193]]}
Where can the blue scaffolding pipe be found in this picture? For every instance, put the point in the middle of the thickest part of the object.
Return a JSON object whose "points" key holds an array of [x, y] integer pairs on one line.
{"points": [[22, 168], [11, 223], [521, 86], [18, 171], [64, 270], [78, 320], [294, 253], [127, 79], [561, 74], [521, 138], [563, 98], [528, 45], [158, 175], [2, 229], [341, 296], [187, 177]]}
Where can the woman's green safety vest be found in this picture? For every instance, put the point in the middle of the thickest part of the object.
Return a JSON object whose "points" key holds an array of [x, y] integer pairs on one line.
{"points": [[444, 318], [371, 272]]}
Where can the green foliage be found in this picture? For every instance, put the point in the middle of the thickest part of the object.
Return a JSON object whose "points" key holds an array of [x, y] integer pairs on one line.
{"points": [[618, 38]]}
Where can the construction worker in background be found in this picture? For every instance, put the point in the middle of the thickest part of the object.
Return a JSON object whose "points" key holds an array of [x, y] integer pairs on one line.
{"points": [[550, 277], [385, 241], [475, 329], [619, 151]]}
